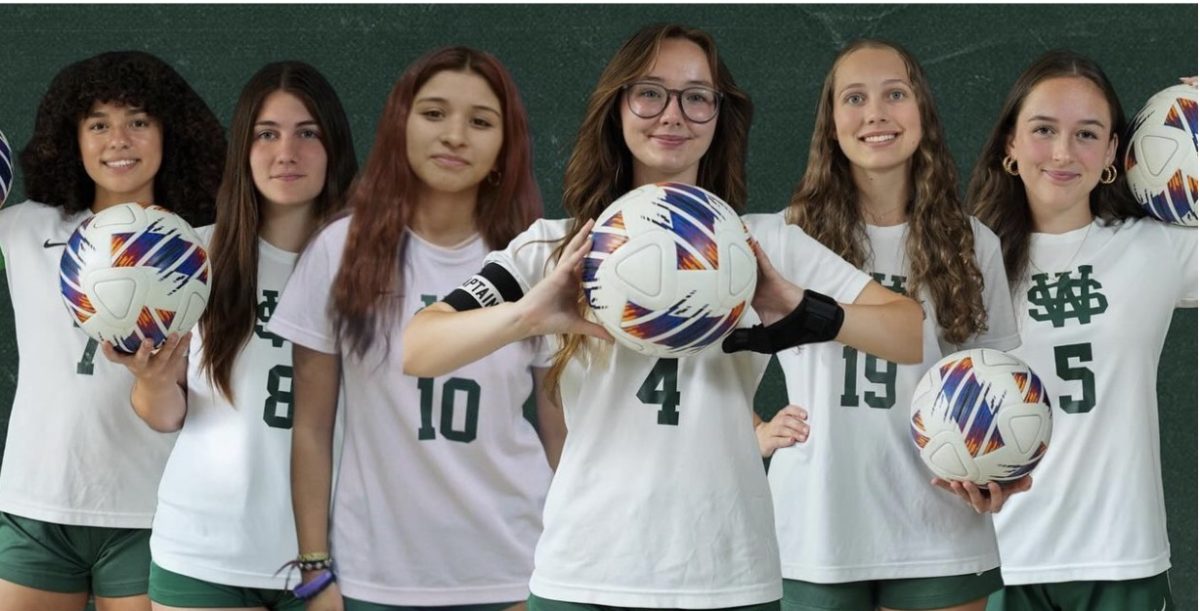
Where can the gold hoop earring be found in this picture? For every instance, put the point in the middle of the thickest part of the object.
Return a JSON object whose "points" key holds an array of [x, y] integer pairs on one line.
{"points": [[1108, 175], [1010, 166]]}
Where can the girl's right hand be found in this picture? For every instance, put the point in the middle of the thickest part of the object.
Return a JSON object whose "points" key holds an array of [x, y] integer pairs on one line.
{"points": [[161, 367], [551, 306], [329, 599], [786, 429]]}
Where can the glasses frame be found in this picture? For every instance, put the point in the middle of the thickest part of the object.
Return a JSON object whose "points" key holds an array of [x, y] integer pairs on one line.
{"points": [[678, 95]]}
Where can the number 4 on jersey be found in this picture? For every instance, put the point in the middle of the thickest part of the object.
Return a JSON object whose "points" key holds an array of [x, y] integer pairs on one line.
{"points": [[661, 387]]}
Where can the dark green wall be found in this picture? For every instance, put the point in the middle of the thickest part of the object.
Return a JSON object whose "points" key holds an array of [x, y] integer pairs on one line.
{"points": [[777, 53]]}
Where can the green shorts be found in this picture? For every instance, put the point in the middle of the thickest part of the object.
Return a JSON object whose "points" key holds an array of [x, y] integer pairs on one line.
{"points": [[174, 590], [537, 603], [110, 562], [1153, 593], [349, 604], [916, 593]]}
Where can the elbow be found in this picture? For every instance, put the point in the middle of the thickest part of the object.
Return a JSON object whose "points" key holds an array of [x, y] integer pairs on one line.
{"points": [[162, 424]]}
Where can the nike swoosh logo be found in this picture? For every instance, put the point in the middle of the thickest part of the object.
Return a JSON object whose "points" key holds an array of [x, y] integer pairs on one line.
{"points": [[49, 244]]}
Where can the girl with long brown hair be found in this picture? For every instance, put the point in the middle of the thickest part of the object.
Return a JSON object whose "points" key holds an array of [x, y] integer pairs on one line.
{"points": [[441, 480], [660, 499], [77, 486], [1095, 285], [880, 190], [223, 523]]}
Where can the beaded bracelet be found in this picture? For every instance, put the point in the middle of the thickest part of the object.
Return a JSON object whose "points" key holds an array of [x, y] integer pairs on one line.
{"points": [[315, 565], [308, 590]]}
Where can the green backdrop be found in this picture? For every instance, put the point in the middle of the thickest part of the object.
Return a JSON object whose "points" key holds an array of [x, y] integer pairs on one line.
{"points": [[779, 54]]}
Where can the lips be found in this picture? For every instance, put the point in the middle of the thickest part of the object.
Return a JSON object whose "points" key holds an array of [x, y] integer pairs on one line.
{"points": [[1060, 175], [288, 177], [881, 138], [450, 161], [669, 141], [120, 164]]}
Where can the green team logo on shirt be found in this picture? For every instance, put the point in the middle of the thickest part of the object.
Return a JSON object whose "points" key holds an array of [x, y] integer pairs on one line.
{"points": [[879, 387], [263, 313], [452, 390], [1067, 297]]}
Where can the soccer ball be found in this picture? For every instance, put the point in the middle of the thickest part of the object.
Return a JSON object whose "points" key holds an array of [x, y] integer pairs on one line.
{"points": [[981, 416], [131, 273], [670, 270], [6, 168], [1160, 161]]}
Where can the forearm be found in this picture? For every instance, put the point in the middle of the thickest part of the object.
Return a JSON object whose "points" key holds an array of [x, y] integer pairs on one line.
{"points": [[317, 379], [161, 404], [889, 330], [439, 340]]}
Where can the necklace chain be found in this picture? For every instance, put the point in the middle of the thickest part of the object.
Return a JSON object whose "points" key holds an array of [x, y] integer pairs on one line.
{"points": [[1070, 261]]}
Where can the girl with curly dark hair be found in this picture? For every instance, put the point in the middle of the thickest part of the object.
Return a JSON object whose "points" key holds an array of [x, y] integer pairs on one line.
{"points": [[77, 486], [880, 191]]}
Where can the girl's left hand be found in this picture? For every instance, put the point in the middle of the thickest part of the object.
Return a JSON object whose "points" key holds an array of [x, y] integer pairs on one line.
{"points": [[774, 296], [1188, 80], [990, 499]]}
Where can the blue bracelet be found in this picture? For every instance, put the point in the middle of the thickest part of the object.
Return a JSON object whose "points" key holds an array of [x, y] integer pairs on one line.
{"points": [[308, 590]]}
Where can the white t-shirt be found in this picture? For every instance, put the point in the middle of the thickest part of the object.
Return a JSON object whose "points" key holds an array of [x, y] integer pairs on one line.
{"points": [[660, 499], [1096, 509], [440, 489], [224, 503], [854, 502], [76, 452]]}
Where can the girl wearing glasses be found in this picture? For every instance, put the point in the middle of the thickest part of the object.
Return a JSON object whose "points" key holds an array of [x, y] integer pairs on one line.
{"points": [[660, 499], [1049, 182], [441, 481], [880, 191], [80, 470]]}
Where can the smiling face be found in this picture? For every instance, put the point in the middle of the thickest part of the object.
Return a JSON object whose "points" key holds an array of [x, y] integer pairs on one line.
{"points": [[669, 147], [121, 148], [875, 112], [287, 157], [455, 132], [1062, 139]]}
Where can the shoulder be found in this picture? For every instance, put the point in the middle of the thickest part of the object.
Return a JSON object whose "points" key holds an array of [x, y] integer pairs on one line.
{"points": [[205, 234], [986, 240], [30, 218]]}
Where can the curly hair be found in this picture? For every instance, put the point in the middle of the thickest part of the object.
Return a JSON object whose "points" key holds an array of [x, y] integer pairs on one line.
{"points": [[193, 140], [1000, 200], [940, 245], [600, 168]]}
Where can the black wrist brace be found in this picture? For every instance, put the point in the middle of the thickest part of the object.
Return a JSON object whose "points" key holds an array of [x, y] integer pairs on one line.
{"points": [[818, 318]]}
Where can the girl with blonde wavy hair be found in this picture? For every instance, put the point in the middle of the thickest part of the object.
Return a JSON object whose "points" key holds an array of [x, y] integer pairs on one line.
{"points": [[880, 191]]}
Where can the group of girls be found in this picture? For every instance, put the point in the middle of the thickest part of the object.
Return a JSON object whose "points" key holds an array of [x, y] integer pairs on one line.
{"points": [[337, 319]]}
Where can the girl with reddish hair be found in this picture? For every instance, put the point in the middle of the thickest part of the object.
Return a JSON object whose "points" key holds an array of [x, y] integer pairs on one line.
{"points": [[441, 480]]}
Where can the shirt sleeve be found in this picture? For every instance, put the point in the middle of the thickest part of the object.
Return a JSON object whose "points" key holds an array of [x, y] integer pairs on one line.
{"points": [[1182, 242], [506, 275], [805, 261], [303, 315]]}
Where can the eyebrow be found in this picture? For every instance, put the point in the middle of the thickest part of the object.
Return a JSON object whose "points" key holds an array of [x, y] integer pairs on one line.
{"points": [[276, 124], [887, 82], [1095, 122], [445, 101], [663, 81], [129, 111]]}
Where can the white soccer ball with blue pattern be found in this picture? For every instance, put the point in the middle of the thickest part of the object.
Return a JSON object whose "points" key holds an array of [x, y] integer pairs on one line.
{"points": [[7, 163], [981, 416], [670, 271], [1160, 161], [131, 273]]}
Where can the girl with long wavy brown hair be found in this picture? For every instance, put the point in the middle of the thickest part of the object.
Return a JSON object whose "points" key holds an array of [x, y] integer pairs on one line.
{"points": [[220, 534], [1095, 287], [441, 480], [660, 499], [78, 482], [880, 191]]}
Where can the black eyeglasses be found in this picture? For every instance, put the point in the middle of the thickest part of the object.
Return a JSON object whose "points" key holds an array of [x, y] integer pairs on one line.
{"points": [[649, 100]]}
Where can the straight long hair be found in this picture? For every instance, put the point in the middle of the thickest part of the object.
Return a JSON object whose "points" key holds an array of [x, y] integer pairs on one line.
{"points": [[940, 246], [232, 310], [366, 291]]}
